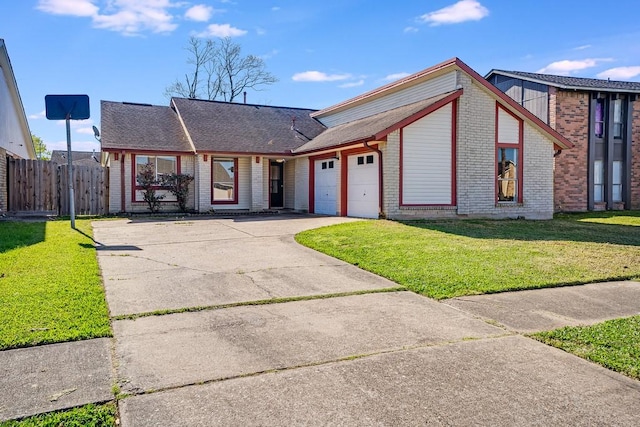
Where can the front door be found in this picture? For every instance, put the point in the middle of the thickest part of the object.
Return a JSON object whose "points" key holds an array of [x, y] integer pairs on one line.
{"points": [[276, 185]]}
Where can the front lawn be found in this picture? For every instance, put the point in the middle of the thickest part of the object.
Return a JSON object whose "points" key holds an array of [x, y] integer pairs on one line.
{"points": [[614, 344], [50, 286], [449, 258], [84, 416]]}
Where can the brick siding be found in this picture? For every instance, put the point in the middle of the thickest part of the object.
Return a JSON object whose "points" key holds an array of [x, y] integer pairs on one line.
{"points": [[571, 166]]}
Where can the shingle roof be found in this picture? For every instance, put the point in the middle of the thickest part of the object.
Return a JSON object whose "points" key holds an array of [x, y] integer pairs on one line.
{"points": [[245, 128], [368, 128], [141, 127], [567, 82]]}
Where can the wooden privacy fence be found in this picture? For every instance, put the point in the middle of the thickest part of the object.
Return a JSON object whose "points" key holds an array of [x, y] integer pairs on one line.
{"points": [[41, 186]]}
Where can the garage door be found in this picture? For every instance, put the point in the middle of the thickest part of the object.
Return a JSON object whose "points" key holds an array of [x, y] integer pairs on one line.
{"points": [[325, 187], [362, 182]]}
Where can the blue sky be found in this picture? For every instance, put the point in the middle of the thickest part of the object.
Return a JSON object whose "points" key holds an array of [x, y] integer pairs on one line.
{"points": [[322, 52]]}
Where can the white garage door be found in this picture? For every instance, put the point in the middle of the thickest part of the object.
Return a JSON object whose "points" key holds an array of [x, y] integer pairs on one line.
{"points": [[325, 187], [363, 190]]}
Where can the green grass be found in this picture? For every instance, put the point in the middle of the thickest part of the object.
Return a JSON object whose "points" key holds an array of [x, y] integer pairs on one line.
{"points": [[50, 285], [614, 344], [449, 258], [84, 416]]}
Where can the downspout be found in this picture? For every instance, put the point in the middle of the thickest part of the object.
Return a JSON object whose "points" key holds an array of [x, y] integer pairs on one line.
{"points": [[380, 181], [123, 203]]}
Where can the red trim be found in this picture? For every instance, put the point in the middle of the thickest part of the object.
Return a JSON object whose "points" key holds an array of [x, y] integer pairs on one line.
{"points": [[454, 138], [235, 183], [420, 114], [564, 142], [257, 159], [401, 168], [333, 148], [519, 146], [344, 175], [204, 157], [123, 199], [116, 156], [312, 177], [134, 186]]}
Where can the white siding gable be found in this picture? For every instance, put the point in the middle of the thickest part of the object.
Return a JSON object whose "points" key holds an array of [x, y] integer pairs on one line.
{"points": [[426, 159], [408, 95], [508, 128]]}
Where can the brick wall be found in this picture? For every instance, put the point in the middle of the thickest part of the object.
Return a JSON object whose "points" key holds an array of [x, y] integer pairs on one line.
{"points": [[571, 166], [3, 180], [635, 156]]}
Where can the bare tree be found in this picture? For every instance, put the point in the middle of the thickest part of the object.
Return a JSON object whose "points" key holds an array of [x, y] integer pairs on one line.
{"points": [[219, 71]]}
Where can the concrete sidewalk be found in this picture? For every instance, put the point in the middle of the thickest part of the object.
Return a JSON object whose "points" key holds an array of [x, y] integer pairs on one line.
{"points": [[348, 352], [546, 309], [56, 376]]}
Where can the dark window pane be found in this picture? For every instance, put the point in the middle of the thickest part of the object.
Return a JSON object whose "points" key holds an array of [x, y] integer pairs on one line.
{"points": [[361, 160], [370, 159]]}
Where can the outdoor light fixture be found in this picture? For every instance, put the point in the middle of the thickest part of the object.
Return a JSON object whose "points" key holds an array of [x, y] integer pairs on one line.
{"points": [[96, 133]]}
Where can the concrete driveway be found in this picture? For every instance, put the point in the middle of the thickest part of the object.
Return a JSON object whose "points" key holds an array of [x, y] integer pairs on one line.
{"points": [[230, 322]]}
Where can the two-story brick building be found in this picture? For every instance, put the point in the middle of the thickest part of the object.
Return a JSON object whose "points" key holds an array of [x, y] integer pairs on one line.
{"points": [[602, 119]]}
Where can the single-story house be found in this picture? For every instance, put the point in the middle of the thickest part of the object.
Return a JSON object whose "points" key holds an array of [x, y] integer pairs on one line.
{"points": [[601, 118], [15, 136], [443, 142]]}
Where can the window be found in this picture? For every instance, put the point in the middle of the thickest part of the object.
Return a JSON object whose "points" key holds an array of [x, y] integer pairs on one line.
{"points": [[617, 181], [507, 174], [361, 160], [599, 121], [598, 181], [162, 165], [224, 179], [509, 135], [617, 119], [370, 159]]}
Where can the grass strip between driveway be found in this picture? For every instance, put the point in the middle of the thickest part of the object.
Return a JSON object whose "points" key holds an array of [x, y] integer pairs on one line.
{"points": [[614, 344], [50, 285], [256, 302], [83, 416], [450, 258]]}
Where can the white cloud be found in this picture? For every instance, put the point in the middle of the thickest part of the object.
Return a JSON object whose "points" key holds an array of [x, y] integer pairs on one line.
{"points": [[68, 7], [352, 84], [222, 30], [396, 76], [583, 47], [620, 73], [129, 17], [410, 30], [318, 76], [41, 115], [567, 66], [275, 8], [85, 130], [199, 12], [462, 11]]}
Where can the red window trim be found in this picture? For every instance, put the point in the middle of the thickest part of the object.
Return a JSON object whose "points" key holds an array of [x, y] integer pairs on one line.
{"points": [[135, 187], [518, 145], [454, 138], [235, 181]]}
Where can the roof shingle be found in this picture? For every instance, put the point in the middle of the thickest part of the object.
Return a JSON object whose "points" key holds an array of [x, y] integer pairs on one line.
{"points": [[143, 127], [246, 128], [567, 82]]}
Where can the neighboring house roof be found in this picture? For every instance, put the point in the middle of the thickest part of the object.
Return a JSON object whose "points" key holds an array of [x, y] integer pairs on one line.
{"points": [[571, 83], [141, 127], [16, 101], [79, 158], [224, 127], [377, 126], [451, 64]]}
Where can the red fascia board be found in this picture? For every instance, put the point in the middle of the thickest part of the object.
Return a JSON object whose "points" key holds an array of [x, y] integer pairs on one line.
{"points": [[388, 86], [563, 142], [337, 147], [420, 114]]}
